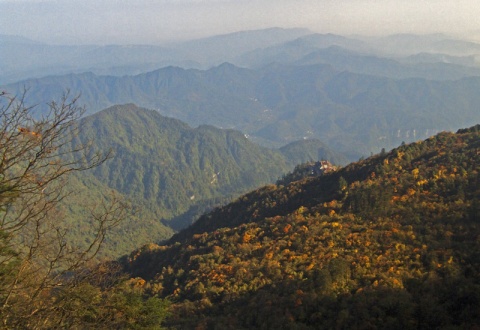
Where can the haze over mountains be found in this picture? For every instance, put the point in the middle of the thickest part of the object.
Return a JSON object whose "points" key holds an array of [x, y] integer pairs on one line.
{"points": [[318, 96], [24, 58], [449, 57], [353, 113], [356, 94]]}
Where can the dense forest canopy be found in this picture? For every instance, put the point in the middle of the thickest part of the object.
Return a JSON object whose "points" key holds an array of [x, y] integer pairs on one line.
{"points": [[171, 172], [388, 242]]}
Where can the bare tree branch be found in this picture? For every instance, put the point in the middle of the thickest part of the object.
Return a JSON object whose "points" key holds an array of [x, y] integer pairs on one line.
{"points": [[38, 151]]}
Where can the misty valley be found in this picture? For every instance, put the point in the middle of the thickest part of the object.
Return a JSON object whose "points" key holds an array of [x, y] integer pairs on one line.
{"points": [[263, 179]]}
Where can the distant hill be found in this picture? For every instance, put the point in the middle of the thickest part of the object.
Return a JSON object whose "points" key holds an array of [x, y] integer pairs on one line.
{"points": [[356, 114], [432, 67], [390, 242], [397, 56], [212, 51], [24, 59], [407, 44]]}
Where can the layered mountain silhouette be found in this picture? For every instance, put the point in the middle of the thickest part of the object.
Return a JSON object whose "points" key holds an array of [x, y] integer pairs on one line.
{"points": [[356, 114], [444, 57]]}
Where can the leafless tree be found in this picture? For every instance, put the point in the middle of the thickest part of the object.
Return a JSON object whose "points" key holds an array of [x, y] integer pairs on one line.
{"points": [[38, 151]]}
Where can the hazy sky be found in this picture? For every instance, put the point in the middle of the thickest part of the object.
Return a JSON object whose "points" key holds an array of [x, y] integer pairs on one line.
{"points": [[154, 21]]}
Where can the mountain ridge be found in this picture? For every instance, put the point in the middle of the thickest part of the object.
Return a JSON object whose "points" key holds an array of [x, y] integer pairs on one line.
{"points": [[279, 104], [237, 47]]}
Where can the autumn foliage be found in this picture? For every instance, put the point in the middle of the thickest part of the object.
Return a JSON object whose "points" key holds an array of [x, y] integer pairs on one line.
{"points": [[389, 242]]}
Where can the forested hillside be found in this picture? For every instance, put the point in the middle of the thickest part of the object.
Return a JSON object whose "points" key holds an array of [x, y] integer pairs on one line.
{"points": [[164, 161], [140, 225], [171, 173], [390, 242]]}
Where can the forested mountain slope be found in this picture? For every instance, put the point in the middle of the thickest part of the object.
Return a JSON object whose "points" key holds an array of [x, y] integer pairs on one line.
{"points": [[390, 242], [308, 150], [141, 224], [163, 161], [169, 173], [165, 167]]}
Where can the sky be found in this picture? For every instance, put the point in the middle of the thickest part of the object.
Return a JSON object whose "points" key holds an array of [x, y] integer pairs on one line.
{"points": [[158, 21]]}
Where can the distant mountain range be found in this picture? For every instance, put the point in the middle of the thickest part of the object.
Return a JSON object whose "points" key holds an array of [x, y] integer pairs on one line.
{"points": [[23, 58], [166, 168], [355, 114], [442, 57], [355, 94]]}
